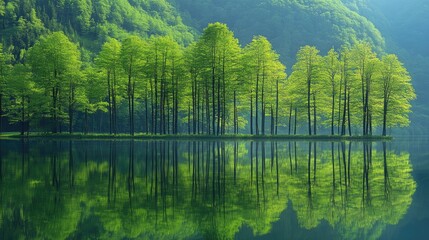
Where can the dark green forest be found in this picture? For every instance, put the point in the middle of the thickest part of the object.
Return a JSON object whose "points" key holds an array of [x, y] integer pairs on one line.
{"points": [[164, 67]]}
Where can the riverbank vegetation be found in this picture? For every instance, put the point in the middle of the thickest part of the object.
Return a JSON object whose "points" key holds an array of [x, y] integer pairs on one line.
{"points": [[212, 86]]}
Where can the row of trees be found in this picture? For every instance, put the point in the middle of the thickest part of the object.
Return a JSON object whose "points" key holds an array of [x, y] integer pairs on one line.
{"points": [[213, 86]]}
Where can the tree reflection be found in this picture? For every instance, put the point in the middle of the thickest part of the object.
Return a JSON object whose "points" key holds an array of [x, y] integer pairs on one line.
{"points": [[170, 189]]}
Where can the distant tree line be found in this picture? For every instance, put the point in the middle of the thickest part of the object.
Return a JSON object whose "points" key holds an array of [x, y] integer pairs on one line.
{"points": [[213, 86]]}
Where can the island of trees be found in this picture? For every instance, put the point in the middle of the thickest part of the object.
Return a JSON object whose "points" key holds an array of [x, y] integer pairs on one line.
{"points": [[212, 86]]}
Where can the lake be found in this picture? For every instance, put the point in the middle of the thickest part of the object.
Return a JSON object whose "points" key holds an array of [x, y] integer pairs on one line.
{"points": [[130, 189]]}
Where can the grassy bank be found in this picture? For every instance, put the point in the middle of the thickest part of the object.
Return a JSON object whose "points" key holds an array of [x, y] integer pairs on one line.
{"points": [[141, 136]]}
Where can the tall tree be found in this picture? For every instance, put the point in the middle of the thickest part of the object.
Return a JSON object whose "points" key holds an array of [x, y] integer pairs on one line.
{"points": [[332, 70], [2, 83], [365, 63], [132, 58], [264, 71], [396, 92], [164, 60], [109, 60], [306, 72], [55, 62], [93, 98], [219, 52], [20, 90]]}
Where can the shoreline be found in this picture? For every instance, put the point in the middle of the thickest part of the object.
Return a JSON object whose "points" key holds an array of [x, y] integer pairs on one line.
{"points": [[140, 136]]}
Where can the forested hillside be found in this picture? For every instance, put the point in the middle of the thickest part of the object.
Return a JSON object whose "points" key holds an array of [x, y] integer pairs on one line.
{"points": [[87, 22], [405, 27], [288, 24], [104, 65]]}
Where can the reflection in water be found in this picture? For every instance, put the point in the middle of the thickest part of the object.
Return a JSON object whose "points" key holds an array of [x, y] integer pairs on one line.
{"points": [[170, 189]]}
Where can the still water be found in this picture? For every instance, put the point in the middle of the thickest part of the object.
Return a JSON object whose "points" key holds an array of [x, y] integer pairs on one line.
{"points": [[213, 190]]}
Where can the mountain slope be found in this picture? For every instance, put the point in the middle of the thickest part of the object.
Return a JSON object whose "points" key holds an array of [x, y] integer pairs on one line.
{"points": [[88, 22], [406, 30], [288, 24]]}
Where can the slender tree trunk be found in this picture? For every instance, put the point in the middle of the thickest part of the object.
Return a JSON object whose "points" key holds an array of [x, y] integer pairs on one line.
{"points": [[22, 115], [208, 109], [130, 121], [272, 121], [256, 105], [277, 106], [296, 116], [114, 104], [235, 112], [314, 114], [132, 109], [348, 111], [343, 125], [1, 112], [109, 101], [309, 104], [290, 119], [86, 121], [251, 112], [71, 108], [385, 105], [213, 99], [189, 119], [333, 108], [54, 115], [223, 104], [194, 106], [263, 103], [339, 107]]}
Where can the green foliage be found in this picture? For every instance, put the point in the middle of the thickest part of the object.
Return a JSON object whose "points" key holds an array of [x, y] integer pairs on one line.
{"points": [[89, 22], [55, 63], [288, 24], [77, 189]]}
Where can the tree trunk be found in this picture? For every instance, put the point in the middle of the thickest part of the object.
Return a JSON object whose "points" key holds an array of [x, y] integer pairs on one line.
{"points": [[314, 114], [235, 112], [348, 111], [213, 100], [1, 112], [277, 106], [333, 109], [256, 105], [294, 129], [309, 105], [272, 121], [109, 97], [263, 104], [251, 113], [290, 119], [22, 115], [385, 116]]}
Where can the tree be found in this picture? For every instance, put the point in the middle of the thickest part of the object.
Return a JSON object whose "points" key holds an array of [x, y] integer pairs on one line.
{"points": [[306, 72], [21, 90], [3, 67], [219, 51], [332, 70], [132, 62], [55, 63], [93, 98], [397, 92], [365, 62], [109, 60], [264, 71], [164, 60]]}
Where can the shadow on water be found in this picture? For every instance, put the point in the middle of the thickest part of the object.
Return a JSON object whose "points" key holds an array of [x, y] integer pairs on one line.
{"points": [[200, 189]]}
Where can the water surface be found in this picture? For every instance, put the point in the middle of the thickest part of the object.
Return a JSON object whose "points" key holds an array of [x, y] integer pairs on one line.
{"points": [[129, 189]]}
